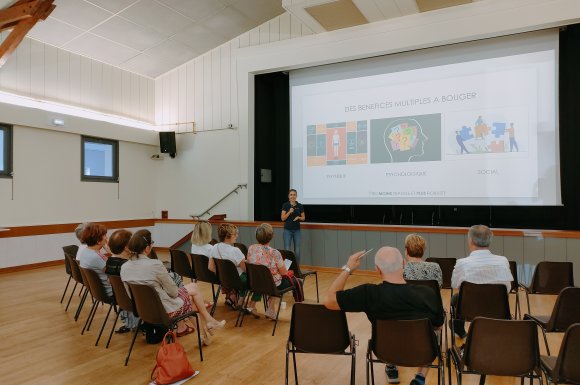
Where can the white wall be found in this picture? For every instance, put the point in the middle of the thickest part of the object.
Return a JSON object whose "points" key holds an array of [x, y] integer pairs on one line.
{"points": [[217, 88]]}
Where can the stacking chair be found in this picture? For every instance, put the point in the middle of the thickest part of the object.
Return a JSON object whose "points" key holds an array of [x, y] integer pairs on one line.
{"points": [[99, 297], [500, 348], [447, 265], [565, 313], [315, 329], [181, 265], [565, 368], [203, 274], [123, 302], [71, 250], [406, 343], [262, 282], [515, 288], [479, 300], [151, 310], [434, 285], [299, 273], [228, 276], [549, 278], [78, 277], [243, 248]]}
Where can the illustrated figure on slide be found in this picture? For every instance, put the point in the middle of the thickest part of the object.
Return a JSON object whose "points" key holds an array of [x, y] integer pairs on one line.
{"points": [[512, 136], [404, 140], [484, 138], [335, 143], [459, 140]]}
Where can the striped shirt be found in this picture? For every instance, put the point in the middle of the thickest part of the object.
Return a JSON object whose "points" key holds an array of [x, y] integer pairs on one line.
{"points": [[481, 266]]}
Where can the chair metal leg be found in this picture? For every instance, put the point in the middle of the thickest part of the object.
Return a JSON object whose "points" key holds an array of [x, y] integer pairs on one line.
{"points": [[71, 295], [215, 298], [241, 312], [118, 311], [133, 340], [528, 301], [316, 278], [286, 366], [277, 314], [482, 379], [65, 288], [81, 303], [89, 318], [545, 340], [353, 363], [104, 323]]}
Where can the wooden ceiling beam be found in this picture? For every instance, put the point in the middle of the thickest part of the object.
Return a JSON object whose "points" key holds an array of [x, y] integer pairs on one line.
{"points": [[16, 13], [41, 10]]}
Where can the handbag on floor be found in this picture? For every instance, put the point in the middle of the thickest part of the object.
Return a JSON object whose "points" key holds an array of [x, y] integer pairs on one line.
{"points": [[298, 291], [172, 362]]}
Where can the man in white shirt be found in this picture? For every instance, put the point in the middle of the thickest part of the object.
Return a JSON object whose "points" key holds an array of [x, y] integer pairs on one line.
{"points": [[480, 266]]}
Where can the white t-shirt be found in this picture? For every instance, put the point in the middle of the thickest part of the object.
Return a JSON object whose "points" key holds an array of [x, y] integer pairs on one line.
{"points": [[481, 266], [226, 251], [82, 246], [201, 250]]}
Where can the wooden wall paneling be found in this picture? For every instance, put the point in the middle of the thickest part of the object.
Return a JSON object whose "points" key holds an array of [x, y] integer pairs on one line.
{"points": [[264, 33], [497, 245], [330, 248], [306, 31], [190, 92], [274, 28], [317, 246], [173, 98], [86, 99], [198, 94], [182, 97], [295, 27], [9, 72], [573, 255], [207, 92], [513, 249], [97, 85], [23, 71], [63, 76], [151, 100], [277, 241], [158, 85], [284, 23], [117, 92], [225, 84], [373, 241], [37, 69], [555, 249], [234, 46], [107, 93], [456, 245], [437, 245], [533, 250], [244, 40], [166, 102], [255, 36], [135, 96], [50, 71], [344, 246], [246, 235], [216, 79], [75, 80], [390, 239], [144, 93], [126, 92], [306, 257]]}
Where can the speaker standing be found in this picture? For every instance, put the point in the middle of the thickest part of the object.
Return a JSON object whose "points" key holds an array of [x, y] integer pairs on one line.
{"points": [[292, 215]]}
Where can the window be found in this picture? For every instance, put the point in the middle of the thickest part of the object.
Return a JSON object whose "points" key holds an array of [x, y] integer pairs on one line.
{"points": [[100, 160], [5, 150]]}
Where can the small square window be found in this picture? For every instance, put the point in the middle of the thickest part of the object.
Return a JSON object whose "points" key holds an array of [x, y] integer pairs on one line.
{"points": [[5, 150], [100, 160]]}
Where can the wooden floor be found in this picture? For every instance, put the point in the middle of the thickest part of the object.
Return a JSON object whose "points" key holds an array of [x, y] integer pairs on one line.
{"points": [[41, 343]]}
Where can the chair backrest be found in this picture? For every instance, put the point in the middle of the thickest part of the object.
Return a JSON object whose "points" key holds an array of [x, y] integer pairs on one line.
{"points": [[260, 279], [121, 296], [514, 271], [180, 263], [148, 304], [430, 283], [482, 300], [227, 274], [502, 347], [95, 285], [551, 277], [405, 342], [72, 251], [566, 310], [75, 269], [567, 366], [289, 255], [447, 265], [203, 274], [315, 329], [243, 248]]}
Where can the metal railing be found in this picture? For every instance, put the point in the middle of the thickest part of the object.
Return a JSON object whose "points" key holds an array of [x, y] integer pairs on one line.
{"points": [[238, 188]]}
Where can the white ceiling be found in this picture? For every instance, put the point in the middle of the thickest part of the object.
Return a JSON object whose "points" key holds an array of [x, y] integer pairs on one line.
{"points": [[148, 37], [152, 37]]}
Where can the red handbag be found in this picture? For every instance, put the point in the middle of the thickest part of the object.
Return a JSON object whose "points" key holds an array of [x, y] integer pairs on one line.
{"points": [[172, 362]]}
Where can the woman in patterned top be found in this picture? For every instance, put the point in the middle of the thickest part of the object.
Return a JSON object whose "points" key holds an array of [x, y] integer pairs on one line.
{"points": [[263, 254], [416, 268]]}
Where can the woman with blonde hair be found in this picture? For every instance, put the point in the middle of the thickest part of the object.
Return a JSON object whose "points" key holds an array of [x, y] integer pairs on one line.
{"points": [[201, 238], [416, 268]]}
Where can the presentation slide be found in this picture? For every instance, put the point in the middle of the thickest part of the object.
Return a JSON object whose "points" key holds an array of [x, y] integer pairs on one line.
{"points": [[479, 132]]}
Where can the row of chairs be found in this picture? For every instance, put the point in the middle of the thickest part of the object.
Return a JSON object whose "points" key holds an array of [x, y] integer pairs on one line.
{"points": [[144, 302]]}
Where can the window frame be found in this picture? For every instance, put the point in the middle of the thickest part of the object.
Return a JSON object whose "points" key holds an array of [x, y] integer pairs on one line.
{"points": [[115, 160], [7, 150]]}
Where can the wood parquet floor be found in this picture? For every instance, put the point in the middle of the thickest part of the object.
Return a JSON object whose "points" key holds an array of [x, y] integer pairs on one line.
{"points": [[41, 343]]}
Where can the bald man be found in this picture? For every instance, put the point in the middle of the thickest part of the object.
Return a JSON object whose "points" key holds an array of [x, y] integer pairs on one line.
{"points": [[391, 299]]}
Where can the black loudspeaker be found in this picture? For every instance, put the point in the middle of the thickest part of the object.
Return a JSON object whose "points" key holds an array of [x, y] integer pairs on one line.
{"points": [[167, 143]]}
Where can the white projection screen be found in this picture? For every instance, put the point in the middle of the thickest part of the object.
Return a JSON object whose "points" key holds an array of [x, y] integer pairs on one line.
{"points": [[466, 124]]}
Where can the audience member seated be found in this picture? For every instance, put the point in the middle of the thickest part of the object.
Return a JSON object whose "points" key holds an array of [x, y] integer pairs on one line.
{"points": [[416, 269], [391, 299], [201, 238], [118, 245], [141, 269], [225, 249], [480, 266], [263, 254], [78, 233], [94, 236]]}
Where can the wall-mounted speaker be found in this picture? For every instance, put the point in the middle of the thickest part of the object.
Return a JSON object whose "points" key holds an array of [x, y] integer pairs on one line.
{"points": [[167, 143]]}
